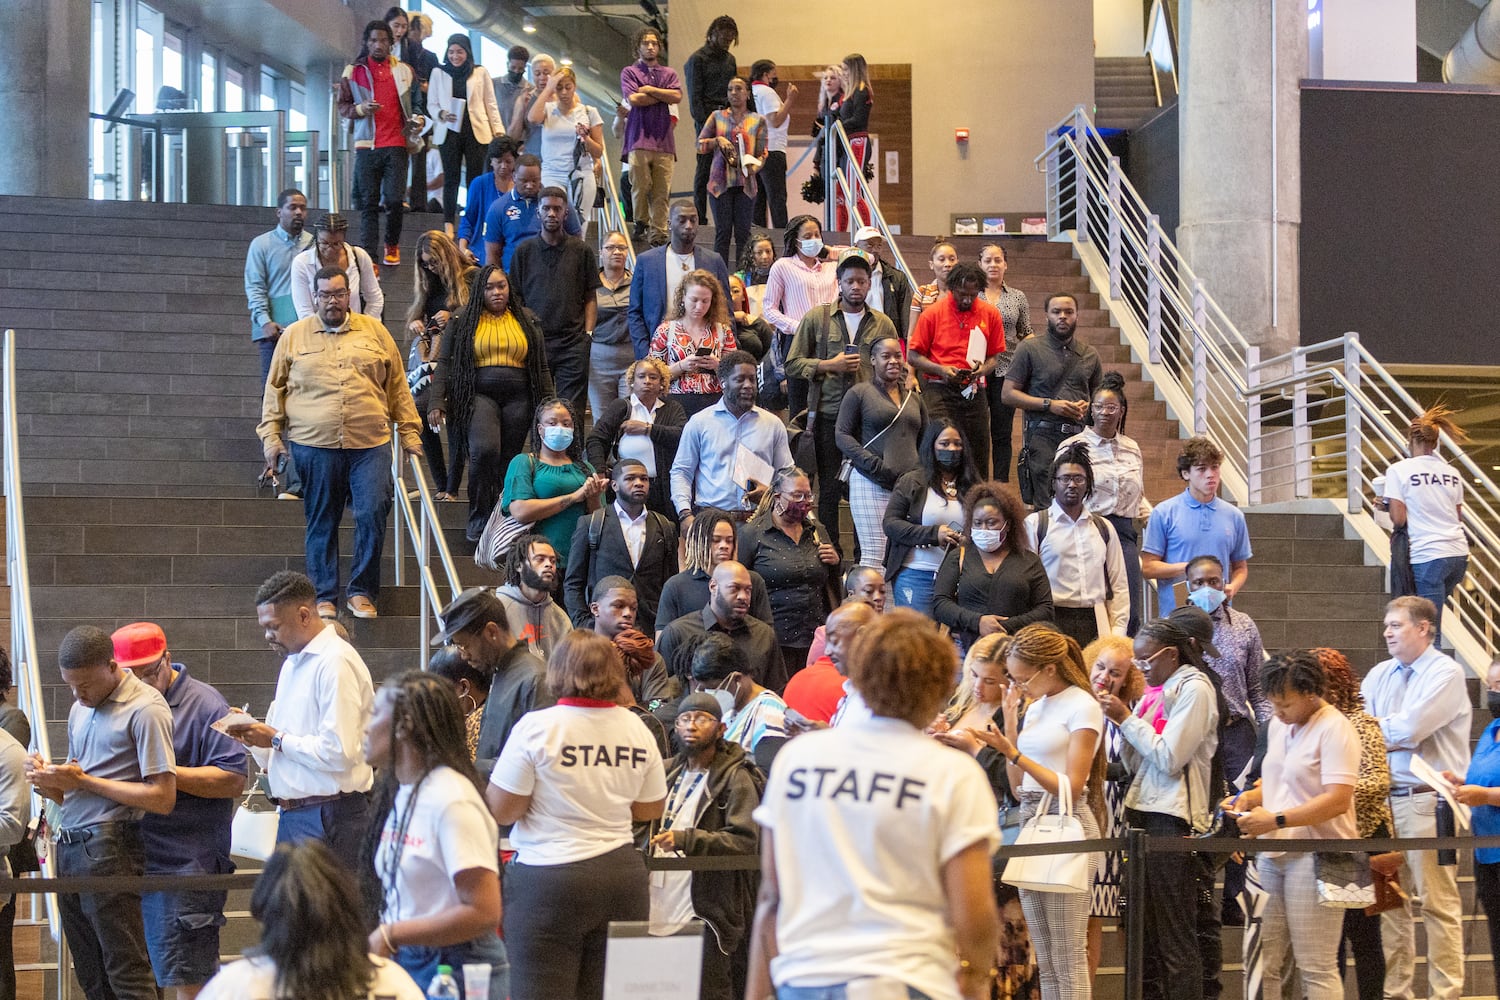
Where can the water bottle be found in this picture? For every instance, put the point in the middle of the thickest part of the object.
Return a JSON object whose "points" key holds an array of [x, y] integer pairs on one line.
{"points": [[443, 985]]}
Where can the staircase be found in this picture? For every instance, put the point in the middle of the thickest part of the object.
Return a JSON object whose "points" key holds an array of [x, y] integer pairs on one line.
{"points": [[1124, 91]]}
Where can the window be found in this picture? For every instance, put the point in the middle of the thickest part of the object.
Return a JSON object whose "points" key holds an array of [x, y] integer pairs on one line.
{"points": [[234, 89], [208, 82], [268, 90], [171, 62], [145, 71], [296, 117], [443, 25]]}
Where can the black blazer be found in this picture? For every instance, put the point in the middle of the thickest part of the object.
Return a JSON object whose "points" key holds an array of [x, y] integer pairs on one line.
{"points": [[586, 567], [903, 525], [665, 434]]}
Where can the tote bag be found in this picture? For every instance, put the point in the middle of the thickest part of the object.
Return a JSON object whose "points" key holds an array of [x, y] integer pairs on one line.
{"points": [[1067, 872]]}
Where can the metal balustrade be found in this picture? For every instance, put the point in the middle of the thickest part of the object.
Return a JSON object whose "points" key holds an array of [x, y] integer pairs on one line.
{"points": [[1320, 421]]}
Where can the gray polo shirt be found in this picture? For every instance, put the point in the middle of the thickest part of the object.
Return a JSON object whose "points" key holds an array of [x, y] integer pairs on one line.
{"points": [[127, 738], [1044, 366]]}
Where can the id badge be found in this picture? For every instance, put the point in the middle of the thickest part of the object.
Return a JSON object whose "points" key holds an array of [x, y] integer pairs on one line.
{"points": [[876, 988]]}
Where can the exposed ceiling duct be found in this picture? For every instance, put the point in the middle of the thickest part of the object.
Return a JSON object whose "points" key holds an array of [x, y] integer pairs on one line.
{"points": [[1476, 57], [591, 50]]}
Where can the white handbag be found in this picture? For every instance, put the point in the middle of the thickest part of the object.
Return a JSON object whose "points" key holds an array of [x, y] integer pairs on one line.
{"points": [[1066, 872], [253, 833]]}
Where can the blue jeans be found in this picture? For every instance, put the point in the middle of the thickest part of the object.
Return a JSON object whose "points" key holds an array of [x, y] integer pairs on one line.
{"points": [[836, 992], [421, 963], [1437, 579], [340, 824], [105, 930], [913, 589], [331, 479]]}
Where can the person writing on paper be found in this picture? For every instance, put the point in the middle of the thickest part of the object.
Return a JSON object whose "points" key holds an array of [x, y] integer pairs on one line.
{"points": [[927, 926], [1306, 791], [730, 450]]}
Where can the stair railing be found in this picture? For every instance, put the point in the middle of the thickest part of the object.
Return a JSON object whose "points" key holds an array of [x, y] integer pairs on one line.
{"points": [[422, 529], [1319, 421], [24, 655], [856, 191], [612, 214]]}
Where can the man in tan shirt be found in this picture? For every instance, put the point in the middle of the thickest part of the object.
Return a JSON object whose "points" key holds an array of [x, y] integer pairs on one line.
{"points": [[337, 383]]}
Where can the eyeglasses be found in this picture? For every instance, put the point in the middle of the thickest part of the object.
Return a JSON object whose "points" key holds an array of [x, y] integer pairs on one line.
{"points": [[1073, 480], [1108, 407], [335, 296], [1144, 666], [798, 497]]}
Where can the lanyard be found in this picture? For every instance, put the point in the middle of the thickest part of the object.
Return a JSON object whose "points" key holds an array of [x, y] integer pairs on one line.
{"points": [[680, 798]]}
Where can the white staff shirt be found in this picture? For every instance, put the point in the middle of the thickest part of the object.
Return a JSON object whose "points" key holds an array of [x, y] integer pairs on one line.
{"points": [[449, 830], [1432, 491], [323, 704]]}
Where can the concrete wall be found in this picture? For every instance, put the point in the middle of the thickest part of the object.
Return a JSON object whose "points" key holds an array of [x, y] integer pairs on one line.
{"points": [[1005, 69], [1119, 27], [44, 85]]}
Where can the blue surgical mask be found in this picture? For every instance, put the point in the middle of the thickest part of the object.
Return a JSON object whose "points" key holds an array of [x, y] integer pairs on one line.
{"points": [[1208, 598], [811, 247], [557, 438]]}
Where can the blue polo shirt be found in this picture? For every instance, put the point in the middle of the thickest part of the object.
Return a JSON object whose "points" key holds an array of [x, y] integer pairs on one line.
{"points": [[1484, 769], [482, 195], [512, 219], [1182, 528], [194, 836]]}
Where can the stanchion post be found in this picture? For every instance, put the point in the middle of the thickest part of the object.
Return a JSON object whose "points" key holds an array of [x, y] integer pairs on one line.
{"points": [[1135, 911]]}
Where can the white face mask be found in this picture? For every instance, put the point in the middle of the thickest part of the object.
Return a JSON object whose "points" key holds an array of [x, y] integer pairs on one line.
{"points": [[811, 247], [724, 697], [987, 539]]}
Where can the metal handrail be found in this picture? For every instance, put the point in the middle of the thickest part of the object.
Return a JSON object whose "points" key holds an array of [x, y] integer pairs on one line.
{"points": [[1348, 414], [424, 533], [852, 184], [23, 647], [612, 215]]}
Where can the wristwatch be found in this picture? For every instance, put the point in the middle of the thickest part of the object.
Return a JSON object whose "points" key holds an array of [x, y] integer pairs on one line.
{"points": [[1280, 821], [276, 742], [1046, 406]]}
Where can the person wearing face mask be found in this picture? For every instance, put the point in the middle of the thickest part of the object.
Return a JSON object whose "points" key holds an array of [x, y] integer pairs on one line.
{"points": [[1235, 652], [726, 612], [795, 555], [552, 486], [1479, 789], [754, 715], [924, 517], [771, 201], [491, 370], [992, 582], [802, 278]]}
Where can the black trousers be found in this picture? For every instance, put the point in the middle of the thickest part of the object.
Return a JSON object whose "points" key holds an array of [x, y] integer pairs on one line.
{"points": [[973, 415], [569, 361], [701, 171], [498, 427], [1174, 965], [447, 473], [1080, 623], [830, 490], [1034, 470], [557, 952], [460, 151], [1487, 894], [1002, 425], [1362, 938], [772, 193], [380, 172], [732, 211], [106, 933]]}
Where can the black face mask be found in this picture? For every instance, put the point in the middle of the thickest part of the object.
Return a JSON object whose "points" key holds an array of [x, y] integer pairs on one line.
{"points": [[1492, 701], [949, 459]]}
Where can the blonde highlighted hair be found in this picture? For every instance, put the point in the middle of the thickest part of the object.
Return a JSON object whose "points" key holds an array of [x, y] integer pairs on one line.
{"points": [[1040, 646], [718, 309]]}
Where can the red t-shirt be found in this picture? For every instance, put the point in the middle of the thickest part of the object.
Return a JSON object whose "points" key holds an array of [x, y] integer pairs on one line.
{"points": [[816, 691], [388, 119], [942, 333]]}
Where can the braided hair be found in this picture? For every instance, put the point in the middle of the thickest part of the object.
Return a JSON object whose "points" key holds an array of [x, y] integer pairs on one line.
{"points": [[698, 540], [1076, 453]]}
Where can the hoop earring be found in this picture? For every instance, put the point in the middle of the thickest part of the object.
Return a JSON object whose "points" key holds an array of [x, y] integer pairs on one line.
{"points": [[473, 700]]}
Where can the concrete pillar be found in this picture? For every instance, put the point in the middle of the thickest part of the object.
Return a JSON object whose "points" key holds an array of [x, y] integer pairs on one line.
{"points": [[1241, 160], [44, 87]]}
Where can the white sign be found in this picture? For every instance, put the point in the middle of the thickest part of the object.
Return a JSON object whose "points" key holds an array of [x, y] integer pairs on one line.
{"points": [[638, 966], [892, 167]]}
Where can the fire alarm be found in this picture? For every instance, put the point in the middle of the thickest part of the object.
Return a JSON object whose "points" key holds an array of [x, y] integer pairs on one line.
{"points": [[960, 135]]}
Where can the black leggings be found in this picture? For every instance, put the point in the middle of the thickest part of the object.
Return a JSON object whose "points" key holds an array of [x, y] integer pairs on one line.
{"points": [[447, 475], [459, 150], [497, 432], [557, 952]]}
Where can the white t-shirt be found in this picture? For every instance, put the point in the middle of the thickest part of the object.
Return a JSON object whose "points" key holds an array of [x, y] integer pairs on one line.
{"points": [[559, 136], [582, 767], [864, 817], [1432, 491], [1050, 723], [255, 979], [768, 101], [936, 510], [450, 831], [672, 892], [1324, 750]]}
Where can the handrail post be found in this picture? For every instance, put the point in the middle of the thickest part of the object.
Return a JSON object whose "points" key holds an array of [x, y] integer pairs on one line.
{"points": [[1135, 911], [830, 163], [1153, 290], [1353, 433], [1200, 359], [399, 487], [1301, 431], [1253, 447], [1081, 171], [1114, 228], [425, 609]]}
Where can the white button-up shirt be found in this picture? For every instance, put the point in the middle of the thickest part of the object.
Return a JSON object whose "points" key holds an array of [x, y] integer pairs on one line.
{"points": [[1423, 708], [323, 704], [639, 446], [634, 529], [1080, 566]]}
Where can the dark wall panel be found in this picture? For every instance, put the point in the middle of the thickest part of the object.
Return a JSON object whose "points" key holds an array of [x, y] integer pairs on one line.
{"points": [[1154, 168], [1401, 221]]}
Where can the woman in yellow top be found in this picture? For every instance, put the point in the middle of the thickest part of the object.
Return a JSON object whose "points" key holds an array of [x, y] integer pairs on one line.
{"points": [[490, 376]]}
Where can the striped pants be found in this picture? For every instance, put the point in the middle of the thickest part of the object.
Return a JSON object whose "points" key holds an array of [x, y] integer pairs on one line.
{"points": [[1059, 921], [867, 503], [1295, 925]]}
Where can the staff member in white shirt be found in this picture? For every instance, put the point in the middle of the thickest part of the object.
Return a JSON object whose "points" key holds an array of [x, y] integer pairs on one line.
{"points": [[572, 778], [1082, 554], [311, 745], [433, 844], [841, 803]]}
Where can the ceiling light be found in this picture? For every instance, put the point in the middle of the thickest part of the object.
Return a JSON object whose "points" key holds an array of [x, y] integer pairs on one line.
{"points": [[566, 60], [528, 24]]}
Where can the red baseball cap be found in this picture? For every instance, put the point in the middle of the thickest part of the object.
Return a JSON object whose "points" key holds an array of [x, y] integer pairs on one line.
{"points": [[139, 644]]}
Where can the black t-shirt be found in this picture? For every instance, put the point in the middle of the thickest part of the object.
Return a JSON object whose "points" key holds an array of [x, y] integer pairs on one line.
{"points": [[1052, 369], [557, 283]]}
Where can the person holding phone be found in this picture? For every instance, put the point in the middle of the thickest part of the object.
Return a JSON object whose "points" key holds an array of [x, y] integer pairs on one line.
{"points": [[925, 515], [696, 334]]}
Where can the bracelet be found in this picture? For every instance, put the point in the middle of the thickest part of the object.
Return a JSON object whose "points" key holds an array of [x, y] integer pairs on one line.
{"points": [[385, 935], [1016, 760]]}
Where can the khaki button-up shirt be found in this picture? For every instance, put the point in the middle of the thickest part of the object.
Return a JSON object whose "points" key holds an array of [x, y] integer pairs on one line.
{"points": [[338, 388]]}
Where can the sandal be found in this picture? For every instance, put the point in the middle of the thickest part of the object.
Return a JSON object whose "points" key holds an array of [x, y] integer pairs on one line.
{"points": [[444, 497]]}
